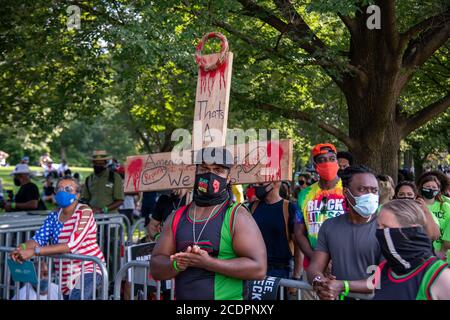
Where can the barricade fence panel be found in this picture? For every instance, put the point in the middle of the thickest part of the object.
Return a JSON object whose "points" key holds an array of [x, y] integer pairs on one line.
{"points": [[112, 232], [54, 276], [128, 278]]}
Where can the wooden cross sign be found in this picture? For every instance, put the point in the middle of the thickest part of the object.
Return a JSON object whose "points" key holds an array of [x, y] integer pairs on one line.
{"points": [[254, 162]]}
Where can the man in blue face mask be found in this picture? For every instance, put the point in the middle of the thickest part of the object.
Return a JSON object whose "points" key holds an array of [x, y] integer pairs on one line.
{"points": [[29, 291], [349, 240]]}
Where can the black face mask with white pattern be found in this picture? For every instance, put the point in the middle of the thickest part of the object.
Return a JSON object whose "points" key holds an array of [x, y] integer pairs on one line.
{"points": [[404, 248]]}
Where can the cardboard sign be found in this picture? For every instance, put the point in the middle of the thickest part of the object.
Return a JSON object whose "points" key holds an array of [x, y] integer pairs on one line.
{"points": [[211, 104], [255, 162]]}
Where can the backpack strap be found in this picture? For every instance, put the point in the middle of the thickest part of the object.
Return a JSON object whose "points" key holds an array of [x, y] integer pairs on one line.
{"points": [[253, 206], [232, 216], [111, 177], [286, 223], [176, 219]]}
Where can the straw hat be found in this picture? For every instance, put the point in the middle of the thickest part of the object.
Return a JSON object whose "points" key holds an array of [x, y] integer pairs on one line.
{"points": [[100, 155]]}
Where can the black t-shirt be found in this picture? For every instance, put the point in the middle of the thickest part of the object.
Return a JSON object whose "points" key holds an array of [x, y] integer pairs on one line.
{"points": [[165, 205], [48, 191], [29, 192], [270, 220]]}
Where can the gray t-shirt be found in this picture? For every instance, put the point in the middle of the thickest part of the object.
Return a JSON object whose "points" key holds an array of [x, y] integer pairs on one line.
{"points": [[352, 247]]}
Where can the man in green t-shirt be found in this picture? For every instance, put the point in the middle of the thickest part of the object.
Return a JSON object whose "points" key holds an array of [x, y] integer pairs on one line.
{"points": [[103, 190]]}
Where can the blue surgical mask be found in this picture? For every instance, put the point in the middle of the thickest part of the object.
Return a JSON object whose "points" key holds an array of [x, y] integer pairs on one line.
{"points": [[366, 205], [43, 286], [65, 199]]}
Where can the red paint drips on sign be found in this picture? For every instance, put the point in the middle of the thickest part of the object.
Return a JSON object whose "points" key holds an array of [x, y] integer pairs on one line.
{"points": [[274, 159], [208, 78], [134, 171]]}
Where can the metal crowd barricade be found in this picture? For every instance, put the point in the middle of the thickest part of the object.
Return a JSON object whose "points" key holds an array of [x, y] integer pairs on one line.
{"points": [[303, 285], [111, 232], [9, 289], [130, 269]]}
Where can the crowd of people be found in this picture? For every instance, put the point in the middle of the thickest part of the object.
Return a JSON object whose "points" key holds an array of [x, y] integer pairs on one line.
{"points": [[343, 228]]}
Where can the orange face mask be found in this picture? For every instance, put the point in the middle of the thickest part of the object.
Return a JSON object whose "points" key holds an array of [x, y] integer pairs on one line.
{"points": [[327, 170]]}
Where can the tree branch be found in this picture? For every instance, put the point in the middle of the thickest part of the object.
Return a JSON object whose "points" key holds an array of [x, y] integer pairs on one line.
{"points": [[432, 35], [426, 114], [297, 30], [415, 30], [304, 116], [349, 23], [389, 23], [273, 51], [299, 25]]}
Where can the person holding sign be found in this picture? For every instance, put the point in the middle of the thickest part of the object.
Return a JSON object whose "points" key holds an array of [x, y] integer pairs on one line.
{"points": [[211, 245]]}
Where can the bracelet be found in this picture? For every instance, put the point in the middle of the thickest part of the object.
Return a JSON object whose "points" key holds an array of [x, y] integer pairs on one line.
{"points": [[174, 264], [105, 209], [316, 279], [346, 290], [23, 246], [13, 205]]}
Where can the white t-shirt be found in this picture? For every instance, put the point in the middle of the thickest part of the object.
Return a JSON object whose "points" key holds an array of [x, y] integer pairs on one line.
{"points": [[128, 203], [53, 289]]}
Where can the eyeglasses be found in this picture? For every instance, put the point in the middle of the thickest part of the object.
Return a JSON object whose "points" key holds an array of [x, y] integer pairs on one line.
{"points": [[68, 189]]}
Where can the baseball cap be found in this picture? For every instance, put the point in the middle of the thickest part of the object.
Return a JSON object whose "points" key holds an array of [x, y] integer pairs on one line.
{"points": [[322, 148], [218, 155], [20, 168]]}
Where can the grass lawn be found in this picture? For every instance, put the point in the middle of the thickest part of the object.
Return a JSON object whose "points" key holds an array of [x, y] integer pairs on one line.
{"points": [[37, 177]]}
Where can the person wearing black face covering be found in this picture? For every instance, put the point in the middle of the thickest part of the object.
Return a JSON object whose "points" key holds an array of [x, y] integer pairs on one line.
{"points": [[27, 198], [103, 190], [166, 204], [212, 244], [429, 188], [411, 271]]}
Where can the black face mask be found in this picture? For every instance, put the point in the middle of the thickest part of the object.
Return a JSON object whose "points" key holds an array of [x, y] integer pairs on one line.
{"points": [[410, 247], [301, 182], [261, 192], [210, 189], [429, 193], [17, 182], [99, 169]]}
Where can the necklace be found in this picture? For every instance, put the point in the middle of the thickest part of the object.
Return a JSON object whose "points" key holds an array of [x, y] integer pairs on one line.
{"points": [[213, 212]]}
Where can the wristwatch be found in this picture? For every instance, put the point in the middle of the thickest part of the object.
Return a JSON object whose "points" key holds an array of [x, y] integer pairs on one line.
{"points": [[37, 251]]}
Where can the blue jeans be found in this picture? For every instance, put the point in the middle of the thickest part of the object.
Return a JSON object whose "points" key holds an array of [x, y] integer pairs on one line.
{"points": [[75, 294]]}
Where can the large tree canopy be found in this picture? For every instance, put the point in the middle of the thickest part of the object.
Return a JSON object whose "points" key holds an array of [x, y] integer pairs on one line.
{"points": [[311, 68]]}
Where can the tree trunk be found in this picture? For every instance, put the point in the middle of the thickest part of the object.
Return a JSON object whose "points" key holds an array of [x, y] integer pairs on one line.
{"points": [[372, 94], [418, 165]]}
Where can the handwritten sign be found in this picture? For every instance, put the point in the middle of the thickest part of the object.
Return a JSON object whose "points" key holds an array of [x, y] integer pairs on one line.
{"points": [[254, 162], [212, 95]]}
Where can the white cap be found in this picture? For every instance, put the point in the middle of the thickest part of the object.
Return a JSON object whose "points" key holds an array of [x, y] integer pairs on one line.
{"points": [[21, 168]]}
